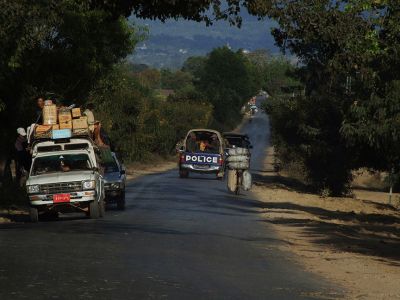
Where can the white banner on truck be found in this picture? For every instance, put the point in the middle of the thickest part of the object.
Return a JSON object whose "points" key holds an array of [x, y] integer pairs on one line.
{"points": [[201, 159]]}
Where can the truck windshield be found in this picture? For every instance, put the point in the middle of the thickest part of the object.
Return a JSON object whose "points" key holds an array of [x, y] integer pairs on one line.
{"points": [[111, 167], [60, 163]]}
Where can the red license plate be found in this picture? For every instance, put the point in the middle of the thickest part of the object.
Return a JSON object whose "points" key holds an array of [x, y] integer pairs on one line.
{"points": [[60, 198]]}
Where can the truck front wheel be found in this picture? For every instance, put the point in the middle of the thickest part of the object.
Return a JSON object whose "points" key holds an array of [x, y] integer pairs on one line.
{"points": [[94, 211], [34, 214]]}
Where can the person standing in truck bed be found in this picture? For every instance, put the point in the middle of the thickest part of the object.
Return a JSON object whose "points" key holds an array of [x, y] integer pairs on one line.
{"points": [[191, 143]]}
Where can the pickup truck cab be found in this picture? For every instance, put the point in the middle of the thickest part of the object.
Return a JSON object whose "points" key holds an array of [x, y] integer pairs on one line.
{"points": [[65, 176], [202, 151]]}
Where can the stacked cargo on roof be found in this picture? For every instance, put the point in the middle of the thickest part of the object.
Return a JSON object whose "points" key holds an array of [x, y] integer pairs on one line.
{"points": [[61, 122]]}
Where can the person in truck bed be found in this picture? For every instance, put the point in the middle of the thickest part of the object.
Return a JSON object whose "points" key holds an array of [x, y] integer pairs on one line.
{"points": [[192, 145], [213, 146]]}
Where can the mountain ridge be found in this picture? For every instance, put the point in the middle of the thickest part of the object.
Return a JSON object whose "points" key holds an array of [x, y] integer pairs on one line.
{"points": [[169, 44]]}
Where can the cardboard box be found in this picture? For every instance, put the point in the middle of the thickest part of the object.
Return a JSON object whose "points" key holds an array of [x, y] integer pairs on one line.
{"points": [[76, 112], [64, 118], [66, 125], [80, 123], [55, 127], [43, 128], [81, 131], [64, 115], [49, 114]]}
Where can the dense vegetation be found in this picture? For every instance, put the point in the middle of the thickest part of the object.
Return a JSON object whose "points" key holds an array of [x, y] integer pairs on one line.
{"points": [[346, 118], [208, 92], [73, 52]]}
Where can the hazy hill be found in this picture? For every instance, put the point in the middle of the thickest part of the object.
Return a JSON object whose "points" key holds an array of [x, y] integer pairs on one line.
{"points": [[170, 43]]}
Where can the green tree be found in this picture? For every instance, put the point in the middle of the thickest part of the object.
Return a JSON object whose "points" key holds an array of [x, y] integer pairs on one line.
{"points": [[346, 53], [175, 80], [63, 47], [195, 66], [228, 81]]}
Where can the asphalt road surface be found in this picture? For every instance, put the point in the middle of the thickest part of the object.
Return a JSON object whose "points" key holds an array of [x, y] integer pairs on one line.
{"points": [[177, 239]]}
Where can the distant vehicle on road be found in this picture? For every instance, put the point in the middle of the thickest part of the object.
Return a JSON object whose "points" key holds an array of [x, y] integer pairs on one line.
{"points": [[202, 151], [253, 110], [114, 182], [65, 176]]}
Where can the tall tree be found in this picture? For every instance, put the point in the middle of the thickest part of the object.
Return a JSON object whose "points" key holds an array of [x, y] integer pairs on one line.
{"points": [[228, 81]]}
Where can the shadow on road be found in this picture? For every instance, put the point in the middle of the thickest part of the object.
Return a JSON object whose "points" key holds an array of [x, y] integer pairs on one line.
{"points": [[273, 180], [363, 233]]}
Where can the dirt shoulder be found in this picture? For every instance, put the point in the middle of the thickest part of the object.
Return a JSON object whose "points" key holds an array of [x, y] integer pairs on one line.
{"points": [[134, 170], [352, 241]]}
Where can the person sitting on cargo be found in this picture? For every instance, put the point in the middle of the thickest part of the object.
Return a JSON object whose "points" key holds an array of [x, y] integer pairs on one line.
{"points": [[88, 112], [191, 143], [39, 111]]}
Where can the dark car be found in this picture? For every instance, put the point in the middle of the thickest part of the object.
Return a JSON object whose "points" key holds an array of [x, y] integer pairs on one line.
{"points": [[237, 140], [114, 182], [202, 151]]}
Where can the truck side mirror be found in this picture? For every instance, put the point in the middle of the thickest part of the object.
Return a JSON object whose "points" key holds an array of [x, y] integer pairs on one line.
{"points": [[181, 149]]}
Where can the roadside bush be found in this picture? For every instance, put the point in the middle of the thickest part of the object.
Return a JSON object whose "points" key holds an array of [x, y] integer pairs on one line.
{"points": [[307, 133], [228, 79], [12, 194], [140, 124]]}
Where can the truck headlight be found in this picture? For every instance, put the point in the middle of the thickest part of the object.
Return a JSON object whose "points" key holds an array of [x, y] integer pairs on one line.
{"points": [[115, 185], [89, 184], [33, 189]]}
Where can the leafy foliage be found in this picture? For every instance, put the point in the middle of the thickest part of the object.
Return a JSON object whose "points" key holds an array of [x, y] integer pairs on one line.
{"points": [[139, 123], [63, 47], [348, 115], [228, 80]]}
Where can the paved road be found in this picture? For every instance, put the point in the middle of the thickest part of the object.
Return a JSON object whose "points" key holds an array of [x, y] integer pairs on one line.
{"points": [[178, 239]]}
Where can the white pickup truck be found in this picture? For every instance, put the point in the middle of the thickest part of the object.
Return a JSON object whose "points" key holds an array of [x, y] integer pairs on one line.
{"points": [[65, 177]]}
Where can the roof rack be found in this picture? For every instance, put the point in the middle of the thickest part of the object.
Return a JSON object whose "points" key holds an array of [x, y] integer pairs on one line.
{"points": [[49, 136]]}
